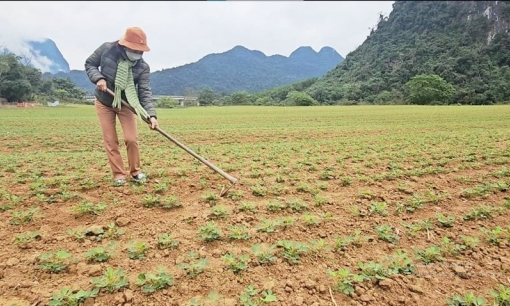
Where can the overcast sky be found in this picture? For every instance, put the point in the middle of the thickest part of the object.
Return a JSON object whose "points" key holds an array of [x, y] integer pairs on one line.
{"points": [[183, 32]]}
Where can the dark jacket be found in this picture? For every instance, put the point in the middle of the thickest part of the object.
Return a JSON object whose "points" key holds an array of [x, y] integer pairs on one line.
{"points": [[106, 57]]}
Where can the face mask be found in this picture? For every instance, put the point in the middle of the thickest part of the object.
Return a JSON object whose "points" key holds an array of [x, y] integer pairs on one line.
{"points": [[133, 56]]}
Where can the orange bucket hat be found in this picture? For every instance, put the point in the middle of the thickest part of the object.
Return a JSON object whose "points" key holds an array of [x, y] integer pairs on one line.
{"points": [[135, 39]]}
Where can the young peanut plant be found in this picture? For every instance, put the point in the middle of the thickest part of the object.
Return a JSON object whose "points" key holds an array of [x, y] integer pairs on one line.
{"points": [[67, 297], [112, 280], [151, 282], [55, 261]]}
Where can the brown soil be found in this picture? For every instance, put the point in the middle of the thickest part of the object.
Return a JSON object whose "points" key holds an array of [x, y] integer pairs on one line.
{"points": [[476, 270]]}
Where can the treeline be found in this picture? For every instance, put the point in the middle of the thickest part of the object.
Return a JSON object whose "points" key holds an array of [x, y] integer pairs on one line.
{"points": [[421, 89], [20, 82]]}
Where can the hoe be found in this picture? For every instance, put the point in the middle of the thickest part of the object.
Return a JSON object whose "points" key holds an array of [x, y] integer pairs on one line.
{"points": [[232, 179]]}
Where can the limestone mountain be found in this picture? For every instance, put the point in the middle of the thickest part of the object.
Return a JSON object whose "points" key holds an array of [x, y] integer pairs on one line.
{"points": [[467, 43], [242, 69], [41, 54], [238, 69]]}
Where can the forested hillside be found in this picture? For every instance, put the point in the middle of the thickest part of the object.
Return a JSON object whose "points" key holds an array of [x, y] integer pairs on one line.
{"points": [[244, 69], [465, 43]]}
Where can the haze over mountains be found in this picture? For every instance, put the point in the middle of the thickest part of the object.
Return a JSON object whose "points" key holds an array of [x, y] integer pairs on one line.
{"points": [[43, 55]]}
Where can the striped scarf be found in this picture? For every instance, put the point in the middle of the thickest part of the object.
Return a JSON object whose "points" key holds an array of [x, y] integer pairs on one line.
{"points": [[124, 81]]}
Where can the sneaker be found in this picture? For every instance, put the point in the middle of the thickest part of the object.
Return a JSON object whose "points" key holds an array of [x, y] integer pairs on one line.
{"points": [[119, 182], [140, 178]]}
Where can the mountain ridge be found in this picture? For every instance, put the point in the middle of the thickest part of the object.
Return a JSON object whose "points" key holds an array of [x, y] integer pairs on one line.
{"points": [[237, 69]]}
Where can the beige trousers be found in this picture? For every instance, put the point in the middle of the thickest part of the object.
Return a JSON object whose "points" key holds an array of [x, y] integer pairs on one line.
{"points": [[107, 119]]}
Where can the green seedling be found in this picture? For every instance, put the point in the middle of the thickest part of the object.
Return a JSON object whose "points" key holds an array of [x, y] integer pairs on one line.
{"points": [[137, 249], [235, 195], [470, 242], [236, 264], [292, 250], [100, 254], [194, 265], [85, 207], [209, 232], [357, 211], [445, 221], [248, 206], [54, 262], [450, 248], [167, 241], [24, 239], [212, 299], [160, 187], [275, 205], [373, 269], [501, 295], [380, 208], [429, 255], [151, 201], [219, 212], [258, 190], [344, 280], [310, 220], [318, 247], [25, 216], [254, 297], [496, 235], [112, 280], [238, 233], [79, 233], [481, 212], [170, 202], [67, 297], [297, 204], [151, 282], [469, 299], [278, 189], [265, 254], [341, 243], [386, 233], [320, 200], [113, 231], [210, 198], [400, 263]]}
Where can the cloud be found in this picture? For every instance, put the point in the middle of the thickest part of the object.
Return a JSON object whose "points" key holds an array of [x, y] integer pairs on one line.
{"points": [[183, 32]]}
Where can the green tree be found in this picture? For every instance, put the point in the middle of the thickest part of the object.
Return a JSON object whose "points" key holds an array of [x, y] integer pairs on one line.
{"points": [[61, 94], [241, 98], [19, 81], [206, 97], [4, 67], [69, 86], [264, 101], [429, 89], [17, 90], [14, 85], [299, 99], [167, 102]]}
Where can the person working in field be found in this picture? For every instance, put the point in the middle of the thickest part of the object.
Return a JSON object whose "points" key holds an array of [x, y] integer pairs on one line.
{"points": [[123, 71]]}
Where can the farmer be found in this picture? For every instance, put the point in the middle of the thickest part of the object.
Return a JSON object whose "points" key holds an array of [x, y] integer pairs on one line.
{"points": [[124, 72]]}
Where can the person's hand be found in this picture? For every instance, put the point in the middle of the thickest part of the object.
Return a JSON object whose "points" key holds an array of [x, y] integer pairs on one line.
{"points": [[101, 84], [154, 123]]}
